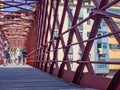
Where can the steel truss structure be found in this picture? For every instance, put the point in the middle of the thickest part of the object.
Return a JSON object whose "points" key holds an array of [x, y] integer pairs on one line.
{"points": [[15, 20], [40, 40]]}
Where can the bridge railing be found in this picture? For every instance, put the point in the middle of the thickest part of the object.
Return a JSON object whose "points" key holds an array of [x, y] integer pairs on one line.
{"points": [[51, 51]]}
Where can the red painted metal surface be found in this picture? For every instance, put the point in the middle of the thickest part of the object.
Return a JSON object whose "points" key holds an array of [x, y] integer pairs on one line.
{"points": [[16, 21], [1, 46], [39, 38], [45, 46]]}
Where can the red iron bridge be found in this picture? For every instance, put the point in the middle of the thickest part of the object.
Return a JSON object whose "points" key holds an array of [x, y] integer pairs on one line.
{"points": [[49, 29]]}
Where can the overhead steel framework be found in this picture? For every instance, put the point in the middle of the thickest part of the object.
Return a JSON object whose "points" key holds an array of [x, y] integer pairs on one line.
{"points": [[34, 27], [15, 20]]}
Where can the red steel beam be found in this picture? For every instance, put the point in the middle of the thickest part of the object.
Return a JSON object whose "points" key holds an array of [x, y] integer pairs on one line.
{"points": [[60, 31], [42, 32], [70, 37], [38, 32], [97, 21], [46, 34], [81, 45], [44, 46]]}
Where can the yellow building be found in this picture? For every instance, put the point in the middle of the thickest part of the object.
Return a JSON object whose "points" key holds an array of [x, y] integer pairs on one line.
{"points": [[114, 51], [114, 47]]}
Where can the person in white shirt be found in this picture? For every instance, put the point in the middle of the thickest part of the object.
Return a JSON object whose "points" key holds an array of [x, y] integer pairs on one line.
{"points": [[18, 54]]}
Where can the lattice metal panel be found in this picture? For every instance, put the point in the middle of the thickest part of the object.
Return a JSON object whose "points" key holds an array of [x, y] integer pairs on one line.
{"points": [[15, 20], [49, 37]]}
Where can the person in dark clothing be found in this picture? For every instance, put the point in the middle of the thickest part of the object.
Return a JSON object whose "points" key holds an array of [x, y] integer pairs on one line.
{"points": [[24, 54], [6, 50]]}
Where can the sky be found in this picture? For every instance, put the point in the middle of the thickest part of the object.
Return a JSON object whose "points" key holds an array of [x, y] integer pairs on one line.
{"points": [[14, 8]]}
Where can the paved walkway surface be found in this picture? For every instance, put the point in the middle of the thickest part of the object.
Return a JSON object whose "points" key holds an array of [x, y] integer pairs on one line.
{"points": [[24, 77]]}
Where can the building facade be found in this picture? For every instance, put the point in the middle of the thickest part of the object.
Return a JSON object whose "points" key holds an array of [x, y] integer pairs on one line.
{"points": [[114, 51], [100, 49]]}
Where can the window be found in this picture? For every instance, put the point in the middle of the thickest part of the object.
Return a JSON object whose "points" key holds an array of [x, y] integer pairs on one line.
{"points": [[117, 22], [56, 32], [69, 23], [118, 46], [79, 56], [56, 25], [115, 11], [81, 25], [103, 24], [99, 46], [81, 34], [88, 22], [88, 34], [88, 10], [101, 57], [70, 57], [101, 66], [114, 46], [71, 50], [99, 49], [104, 33], [104, 46], [86, 2], [99, 34]]}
